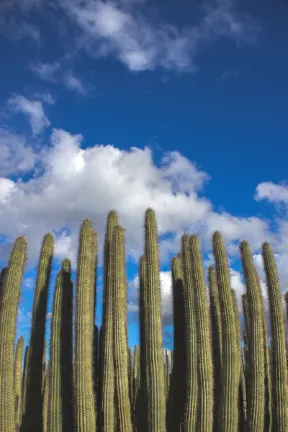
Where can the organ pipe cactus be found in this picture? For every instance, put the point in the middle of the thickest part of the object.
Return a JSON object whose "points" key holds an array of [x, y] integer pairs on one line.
{"points": [[17, 382], [154, 354], [256, 401], [33, 411], [8, 315], [24, 380], [204, 354], [85, 414], [278, 349], [228, 410]]}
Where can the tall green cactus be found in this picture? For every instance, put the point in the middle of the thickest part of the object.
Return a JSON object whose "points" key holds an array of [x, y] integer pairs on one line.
{"points": [[18, 380], [85, 414], [203, 325], [228, 410], [256, 401], [33, 411], [119, 332], [43, 365], [24, 381], [176, 398], [46, 399], [191, 382], [8, 315], [154, 355], [107, 403], [279, 354], [216, 338]]}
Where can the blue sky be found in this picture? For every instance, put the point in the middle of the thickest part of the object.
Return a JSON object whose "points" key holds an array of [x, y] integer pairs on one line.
{"points": [[130, 104]]}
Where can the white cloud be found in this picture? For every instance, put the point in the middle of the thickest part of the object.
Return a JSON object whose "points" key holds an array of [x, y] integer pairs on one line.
{"points": [[143, 43], [45, 71], [272, 192], [17, 30], [73, 83], [33, 109]]}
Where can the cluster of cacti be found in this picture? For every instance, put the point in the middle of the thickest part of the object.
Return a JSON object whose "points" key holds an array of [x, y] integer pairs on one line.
{"points": [[94, 382]]}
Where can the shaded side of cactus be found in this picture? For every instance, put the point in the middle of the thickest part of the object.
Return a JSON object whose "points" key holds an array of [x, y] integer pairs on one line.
{"points": [[24, 380], [142, 399], [191, 382], [241, 407], [278, 351], [136, 375], [176, 397], [119, 332], [216, 340], [46, 399], [154, 354], [18, 380], [43, 365], [84, 407], [204, 351], [167, 373], [256, 401], [96, 361], [228, 410], [107, 402], [33, 412], [8, 315]]}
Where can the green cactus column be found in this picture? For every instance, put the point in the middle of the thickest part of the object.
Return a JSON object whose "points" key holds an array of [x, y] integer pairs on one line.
{"points": [[136, 375], [203, 325], [85, 414], [24, 381], [123, 407], [46, 399], [107, 402], [228, 410], [191, 382], [33, 411], [216, 338], [8, 315], [256, 401], [43, 365], [18, 380], [154, 354], [279, 354], [176, 397]]}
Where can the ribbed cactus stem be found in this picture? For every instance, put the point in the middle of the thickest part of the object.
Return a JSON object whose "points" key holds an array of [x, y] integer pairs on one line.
{"points": [[154, 354], [107, 403], [216, 337], [8, 315], [34, 411], [119, 331], [228, 410], [46, 399], [85, 415], [191, 382], [43, 365], [204, 354], [256, 401], [279, 354], [24, 380], [18, 380]]}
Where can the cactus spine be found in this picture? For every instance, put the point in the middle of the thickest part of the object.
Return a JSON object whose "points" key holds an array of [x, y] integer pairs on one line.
{"points": [[33, 412], [85, 414], [154, 354], [119, 332], [204, 355], [279, 354], [107, 362], [256, 400], [191, 382], [8, 315], [228, 415], [17, 383]]}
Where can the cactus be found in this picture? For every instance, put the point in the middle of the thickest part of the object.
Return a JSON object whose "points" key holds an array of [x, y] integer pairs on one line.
{"points": [[17, 383], [33, 411], [107, 403], [175, 403], [256, 401], [43, 365], [154, 355], [228, 410], [119, 331], [24, 381], [191, 382], [46, 399], [85, 414], [216, 338], [136, 375], [279, 354]]}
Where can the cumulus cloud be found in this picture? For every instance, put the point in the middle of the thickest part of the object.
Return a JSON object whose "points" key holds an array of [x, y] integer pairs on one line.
{"points": [[143, 43], [272, 192], [33, 109]]}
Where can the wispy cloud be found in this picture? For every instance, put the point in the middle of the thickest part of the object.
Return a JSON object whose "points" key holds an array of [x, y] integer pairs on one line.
{"points": [[45, 71], [71, 82], [33, 109], [230, 74]]}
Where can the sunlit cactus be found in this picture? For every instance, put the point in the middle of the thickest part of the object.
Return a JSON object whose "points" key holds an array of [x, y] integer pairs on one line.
{"points": [[18, 380], [8, 314]]}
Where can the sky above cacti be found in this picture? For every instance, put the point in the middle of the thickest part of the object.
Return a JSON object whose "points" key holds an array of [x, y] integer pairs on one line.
{"points": [[129, 104]]}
